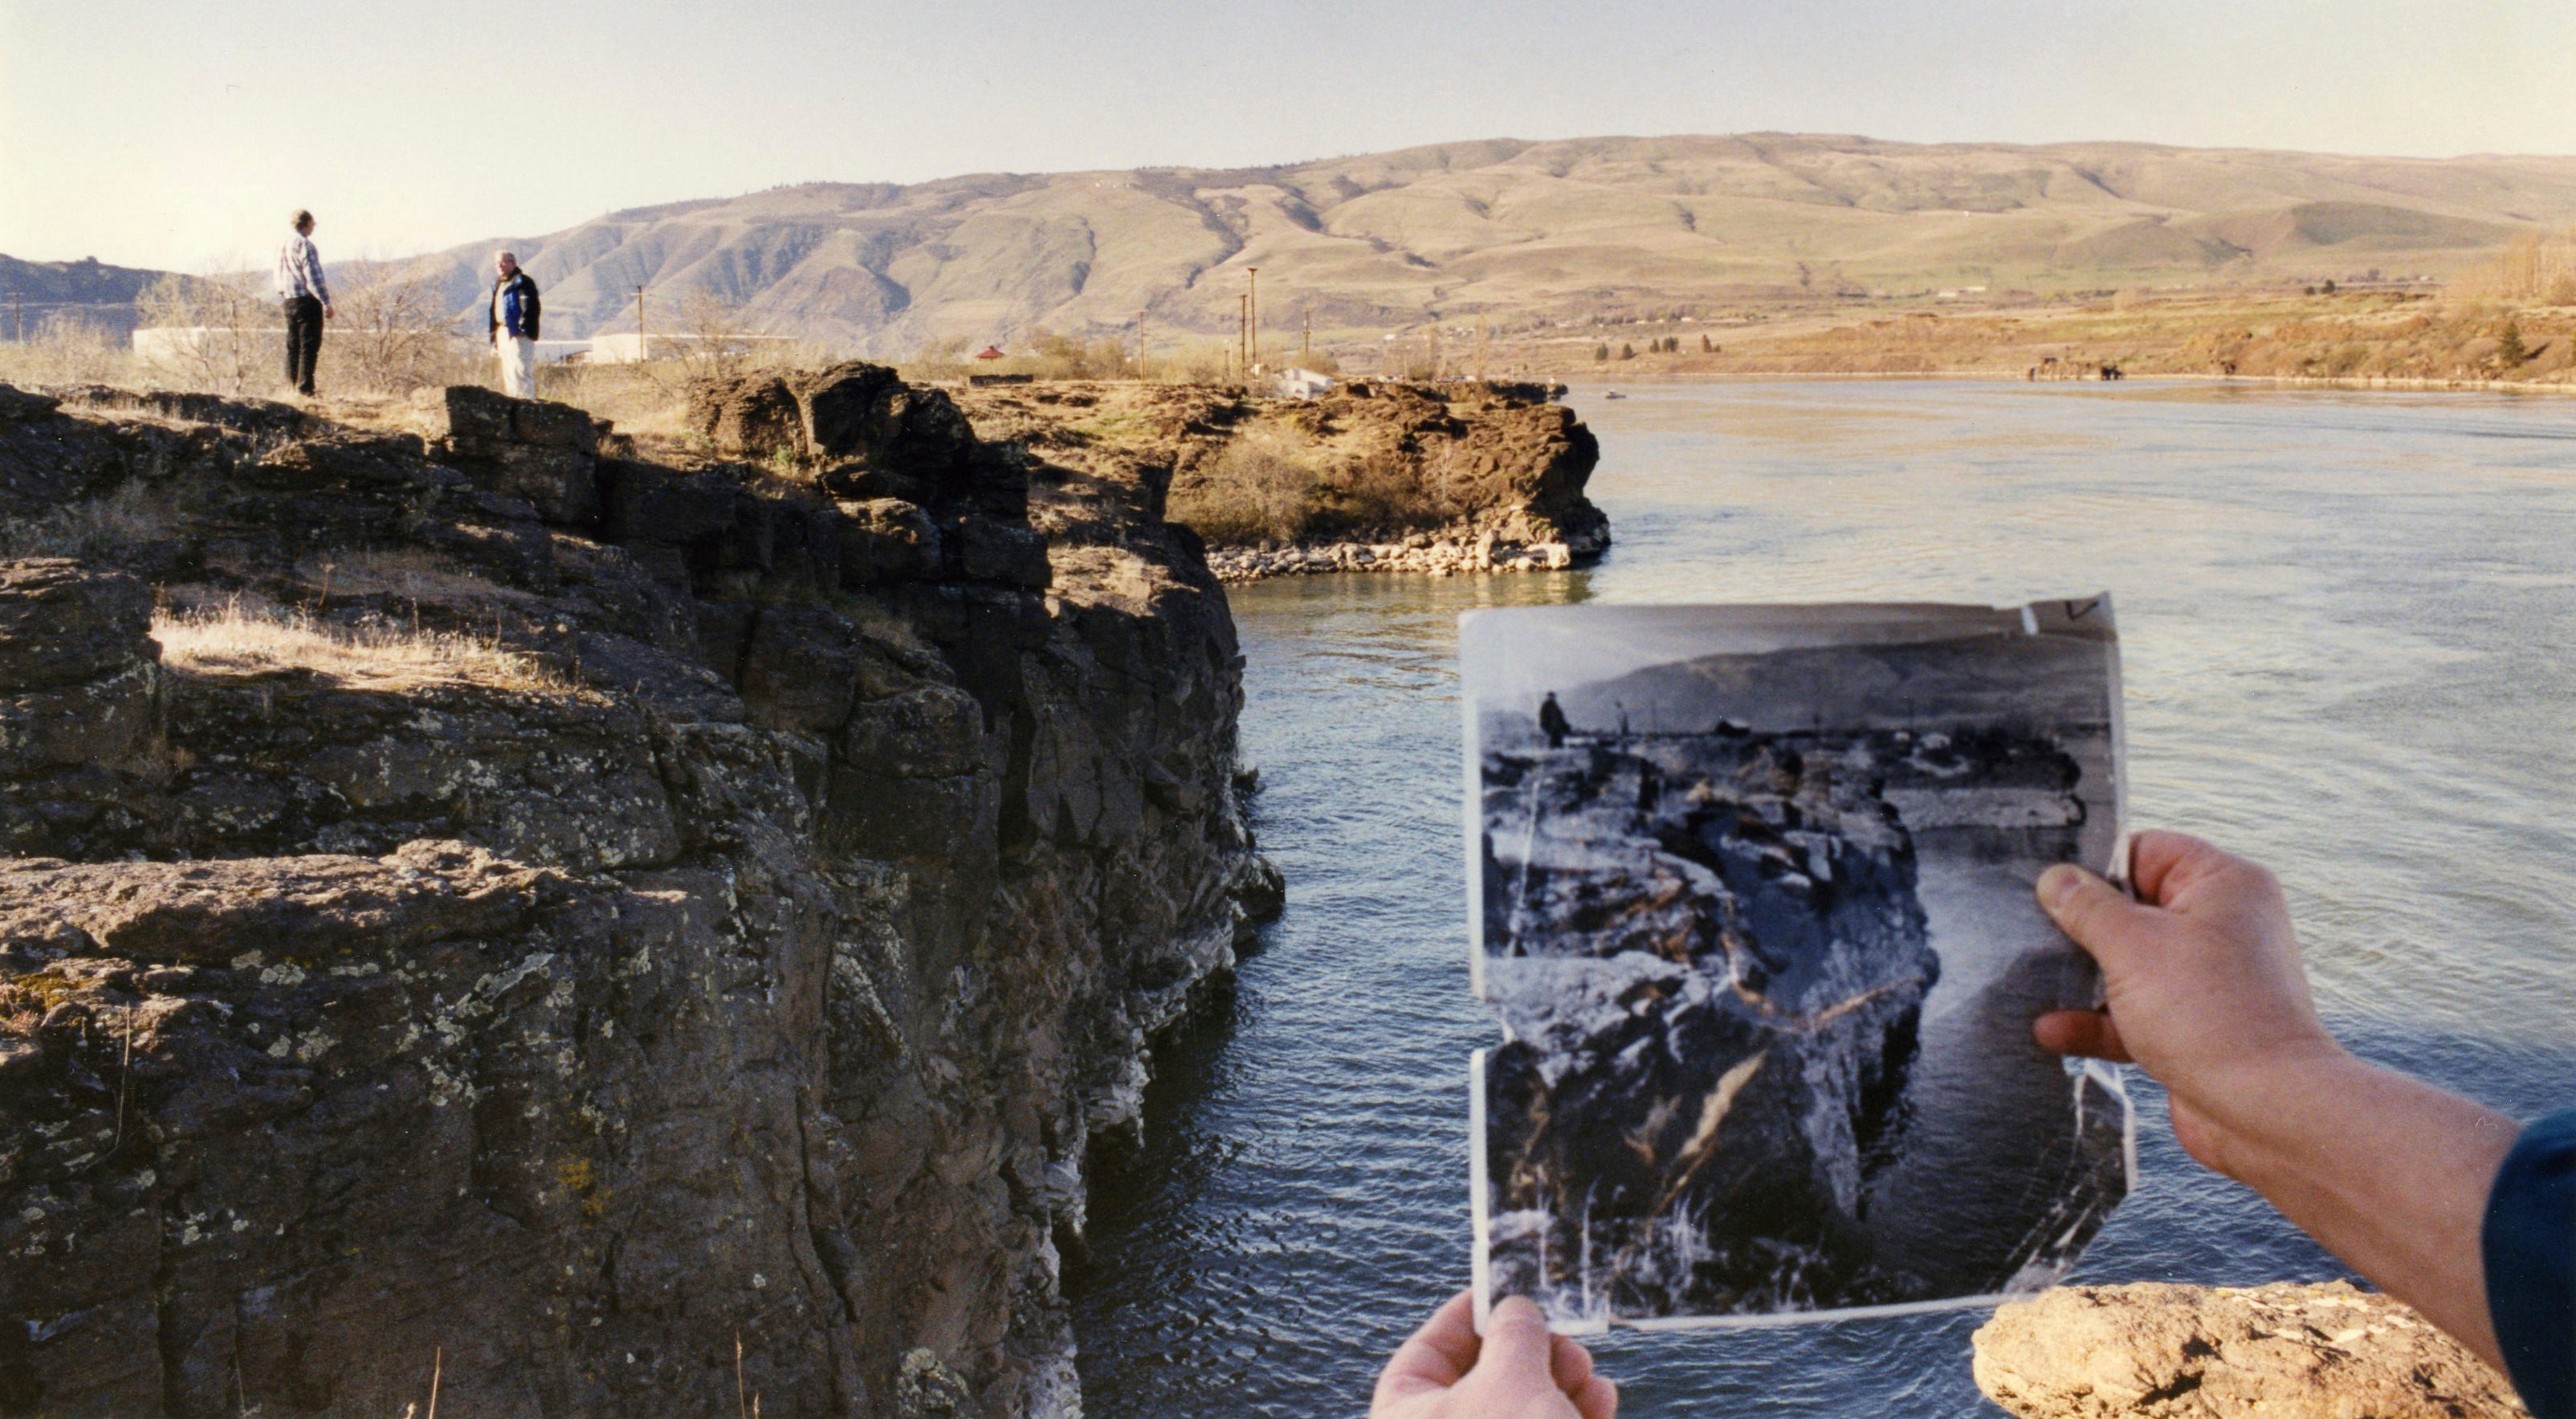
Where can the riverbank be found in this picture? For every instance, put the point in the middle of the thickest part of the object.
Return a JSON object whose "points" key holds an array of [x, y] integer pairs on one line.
{"points": [[2389, 336]]}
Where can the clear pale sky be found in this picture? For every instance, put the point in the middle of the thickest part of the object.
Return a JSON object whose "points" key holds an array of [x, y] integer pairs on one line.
{"points": [[178, 134]]}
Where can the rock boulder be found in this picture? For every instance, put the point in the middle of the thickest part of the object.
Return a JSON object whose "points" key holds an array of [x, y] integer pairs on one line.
{"points": [[2283, 1351]]}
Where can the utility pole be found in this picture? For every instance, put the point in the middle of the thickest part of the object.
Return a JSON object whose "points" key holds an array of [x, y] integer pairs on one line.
{"points": [[1140, 344], [642, 347], [1252, 318], [1243, 336], [17, 318], [1306, 355]]}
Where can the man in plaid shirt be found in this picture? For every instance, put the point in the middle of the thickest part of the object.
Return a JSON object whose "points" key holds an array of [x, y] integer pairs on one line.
{"points": [[307, 298]]}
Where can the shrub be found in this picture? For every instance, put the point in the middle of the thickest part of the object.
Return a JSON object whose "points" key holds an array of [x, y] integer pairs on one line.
{"points": [[236, 340], [1259, 488], [389, 335], [2531, 267], [66, 350], [1382, 495]]}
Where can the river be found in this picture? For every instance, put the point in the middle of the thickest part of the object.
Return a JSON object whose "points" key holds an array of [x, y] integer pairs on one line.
{"points": [[2349, 637]]}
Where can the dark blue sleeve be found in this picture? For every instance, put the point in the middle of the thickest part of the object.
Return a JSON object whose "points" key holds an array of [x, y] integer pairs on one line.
{"points": [[2530, 1246]]}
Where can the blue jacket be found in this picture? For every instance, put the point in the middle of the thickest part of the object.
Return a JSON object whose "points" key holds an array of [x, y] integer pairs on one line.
{"points": [[2530, 1245], [514, 305]]}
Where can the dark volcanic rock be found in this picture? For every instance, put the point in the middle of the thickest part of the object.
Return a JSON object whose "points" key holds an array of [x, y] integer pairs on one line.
{"points": [[60, 623], [738, 926], [1763, 960]]}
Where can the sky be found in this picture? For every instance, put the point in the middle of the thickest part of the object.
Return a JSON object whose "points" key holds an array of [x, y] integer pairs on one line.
{"points": [[180, 134]]}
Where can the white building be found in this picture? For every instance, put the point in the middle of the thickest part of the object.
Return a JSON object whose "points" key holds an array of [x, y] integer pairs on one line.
{"points": [[1303, 383]]}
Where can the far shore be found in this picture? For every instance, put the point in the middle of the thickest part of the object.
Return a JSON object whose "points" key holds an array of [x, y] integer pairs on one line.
{"points": [[2400, 384]]}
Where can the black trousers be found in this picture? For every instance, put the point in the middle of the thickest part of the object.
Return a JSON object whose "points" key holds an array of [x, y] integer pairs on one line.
{"points": [[303, 341]]}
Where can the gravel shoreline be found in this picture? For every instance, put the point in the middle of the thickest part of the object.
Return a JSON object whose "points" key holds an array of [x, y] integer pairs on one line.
{"points": [[1420, 553]]}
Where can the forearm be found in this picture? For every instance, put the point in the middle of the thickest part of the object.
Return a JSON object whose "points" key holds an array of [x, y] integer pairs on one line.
{"points": [[2390, 1173]]}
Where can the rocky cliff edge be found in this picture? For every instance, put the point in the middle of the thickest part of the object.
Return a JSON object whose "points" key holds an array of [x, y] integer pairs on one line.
{"points": [[610, 929]]}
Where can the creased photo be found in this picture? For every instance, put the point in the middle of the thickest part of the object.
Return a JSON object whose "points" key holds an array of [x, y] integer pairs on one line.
{"points": [[1751, 895]]}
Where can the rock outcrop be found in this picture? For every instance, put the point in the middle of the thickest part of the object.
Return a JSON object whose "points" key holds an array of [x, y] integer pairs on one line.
{"points": [[1373, 476], [578, 918], [2283, 1351]]}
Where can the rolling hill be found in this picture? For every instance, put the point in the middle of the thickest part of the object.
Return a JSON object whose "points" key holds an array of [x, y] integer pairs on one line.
{"points": [[1523, 232], [1516, 233]]}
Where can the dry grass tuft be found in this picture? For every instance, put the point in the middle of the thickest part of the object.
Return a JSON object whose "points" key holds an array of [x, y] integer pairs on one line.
{"points": [[234, 638], [408, 575], [91, 529], [66, 352]]}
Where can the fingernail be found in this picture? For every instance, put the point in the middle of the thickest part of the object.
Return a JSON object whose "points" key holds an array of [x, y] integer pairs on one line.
{"points": [[2058, 885]]}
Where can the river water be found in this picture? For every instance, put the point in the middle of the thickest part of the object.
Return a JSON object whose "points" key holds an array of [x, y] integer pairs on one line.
{"points": [[2349, 638]]}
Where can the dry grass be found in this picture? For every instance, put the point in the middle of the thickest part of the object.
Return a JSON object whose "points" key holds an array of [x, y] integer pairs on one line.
{"points": [[2370, 334], [67, 352], [410, 576], [93, 528], [239, 638]]}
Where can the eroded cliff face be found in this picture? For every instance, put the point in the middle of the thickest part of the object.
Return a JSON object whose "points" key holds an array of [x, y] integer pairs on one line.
{"points": [[574, 918]]}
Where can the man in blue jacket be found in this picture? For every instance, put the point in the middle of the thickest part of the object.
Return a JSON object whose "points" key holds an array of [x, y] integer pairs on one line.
{"points": [[514, 315]]}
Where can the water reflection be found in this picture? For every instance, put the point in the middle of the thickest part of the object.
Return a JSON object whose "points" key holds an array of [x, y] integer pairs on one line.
{"points": [[2349, 625]]}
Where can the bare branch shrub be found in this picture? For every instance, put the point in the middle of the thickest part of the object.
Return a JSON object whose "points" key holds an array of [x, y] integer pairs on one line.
{"points": [[1259, 488], [2532, 269], [1384, 495], [390, 335], [940, 358], [226, 335]]}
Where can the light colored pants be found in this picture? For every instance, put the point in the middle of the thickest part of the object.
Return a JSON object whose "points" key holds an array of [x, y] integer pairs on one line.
{"points": [[518, 365]]}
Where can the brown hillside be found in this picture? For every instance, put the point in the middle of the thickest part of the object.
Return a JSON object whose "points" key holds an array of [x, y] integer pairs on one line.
{"points": [[1520, 233]]}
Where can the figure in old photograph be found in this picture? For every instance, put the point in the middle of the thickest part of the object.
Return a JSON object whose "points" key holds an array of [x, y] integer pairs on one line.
{"points": [[1753, 900]]}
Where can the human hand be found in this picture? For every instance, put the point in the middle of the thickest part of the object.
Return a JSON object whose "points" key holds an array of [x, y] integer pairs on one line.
{"points": [[328, 313], [2204, 985], [1516, 1371], [2206, 993]]}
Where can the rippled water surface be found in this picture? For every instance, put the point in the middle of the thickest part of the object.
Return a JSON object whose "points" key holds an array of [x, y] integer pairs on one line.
{"points": [[2348, 625]]}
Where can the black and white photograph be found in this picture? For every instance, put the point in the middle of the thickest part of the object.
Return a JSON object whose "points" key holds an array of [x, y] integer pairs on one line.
{"points": [[1751, 896]]}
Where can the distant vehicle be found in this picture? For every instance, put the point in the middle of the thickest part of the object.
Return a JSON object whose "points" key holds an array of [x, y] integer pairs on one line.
{"points": [[1614, 394], [989, 352]]}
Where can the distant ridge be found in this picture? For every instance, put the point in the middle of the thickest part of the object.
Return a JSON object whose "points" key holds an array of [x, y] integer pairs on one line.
{"points": [[88, 290], [1517, 233]]}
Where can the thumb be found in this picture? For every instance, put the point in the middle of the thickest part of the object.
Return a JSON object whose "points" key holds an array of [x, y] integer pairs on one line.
{"points": [[1517, 1345], [2105, 921]]}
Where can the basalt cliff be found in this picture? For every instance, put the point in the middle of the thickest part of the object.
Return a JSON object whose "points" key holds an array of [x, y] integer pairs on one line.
{"points": [[1380, 476], [597, 931]]}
